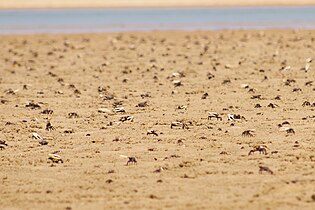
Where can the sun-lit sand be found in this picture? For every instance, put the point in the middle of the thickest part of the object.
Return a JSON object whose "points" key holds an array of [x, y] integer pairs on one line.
{"points": [[143, 3], [265, 77]]}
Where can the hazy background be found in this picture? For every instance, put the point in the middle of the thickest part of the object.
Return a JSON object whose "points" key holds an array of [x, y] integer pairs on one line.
{"points": [[144, 3]]}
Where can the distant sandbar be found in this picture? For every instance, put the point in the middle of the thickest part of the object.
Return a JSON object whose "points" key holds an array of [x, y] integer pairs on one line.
{"points": [[7, 4]]}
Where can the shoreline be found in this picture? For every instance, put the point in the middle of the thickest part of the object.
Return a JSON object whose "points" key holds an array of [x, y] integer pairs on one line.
{"points": [[155, 4], [153, 7], [158, 31]]}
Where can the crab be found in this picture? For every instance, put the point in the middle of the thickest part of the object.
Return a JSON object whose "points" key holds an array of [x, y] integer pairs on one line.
{"points": [[131, 160], [214, 115], [177, 83], [49, 127], [126, 118], [107, 97], [271, 105], [120, 109], [2, 144], [306, 103], [183, 107], [248, 133], [159, 170], [55, 158], [77, 92], [262, 149], [43, 142], [47, 111], [179, 123], [204, 96], [36, 136], [33, 105], [153, 132], [230, 117], [142, 104], [289, 130], [265, 168], [11, 92], [180, 142], [73, 115], [255, 96]]}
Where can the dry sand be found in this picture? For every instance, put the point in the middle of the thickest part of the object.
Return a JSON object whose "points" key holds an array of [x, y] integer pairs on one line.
{"points": [[144, 3], [210, 169]]}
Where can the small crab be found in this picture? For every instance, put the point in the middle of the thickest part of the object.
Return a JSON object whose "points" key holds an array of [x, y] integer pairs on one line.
{"points": [[55, 158], [120, 109], [306, 103], [265, 168], [257, 106], [10, 91], [159, 170], [306, 67], [214, 115], [126, 118], [204, 96], [107, 97], [2, 144], [255, 96], [262, 149], [153, 132], [248, 133], [179, 123], [230, 116], [33, 105], [73, 115], [145, 95], [180, 142], [142, 104], [177, 83], [131, 160], [285, 123], [290, 130], [49, 127], [43, 142], [77, 92], [183, 107], [271, 105], [36, 136], [47, 111]]}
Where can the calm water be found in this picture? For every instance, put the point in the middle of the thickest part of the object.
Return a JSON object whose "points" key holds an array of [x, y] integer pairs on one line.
{"points": [[99, 20]]}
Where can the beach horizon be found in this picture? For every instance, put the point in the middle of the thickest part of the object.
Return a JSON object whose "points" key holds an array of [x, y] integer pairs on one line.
{"points": [[36, 4]]}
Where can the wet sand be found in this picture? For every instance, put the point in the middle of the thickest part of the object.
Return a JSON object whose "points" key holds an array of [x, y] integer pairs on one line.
{"points": [[203, 166], [146, 3]]}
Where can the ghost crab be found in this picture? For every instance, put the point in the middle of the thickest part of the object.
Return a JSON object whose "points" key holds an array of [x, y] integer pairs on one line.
{"points": [[248, 133], [262, 149], [179, 124]]}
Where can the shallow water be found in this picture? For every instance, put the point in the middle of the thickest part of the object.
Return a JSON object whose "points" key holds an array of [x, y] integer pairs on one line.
{"points": [[102, 20]]}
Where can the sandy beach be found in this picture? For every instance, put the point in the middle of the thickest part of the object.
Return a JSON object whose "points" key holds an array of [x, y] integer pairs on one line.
{"points": [[146, 3], [102, 92]]}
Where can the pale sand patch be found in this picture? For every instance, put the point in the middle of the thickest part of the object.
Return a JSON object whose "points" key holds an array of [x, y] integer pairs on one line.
{"points": [[144, 3]]}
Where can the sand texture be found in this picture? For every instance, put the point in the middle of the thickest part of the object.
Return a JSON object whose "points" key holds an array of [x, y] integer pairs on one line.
{"points": [[265, 77], [145, 3]]}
